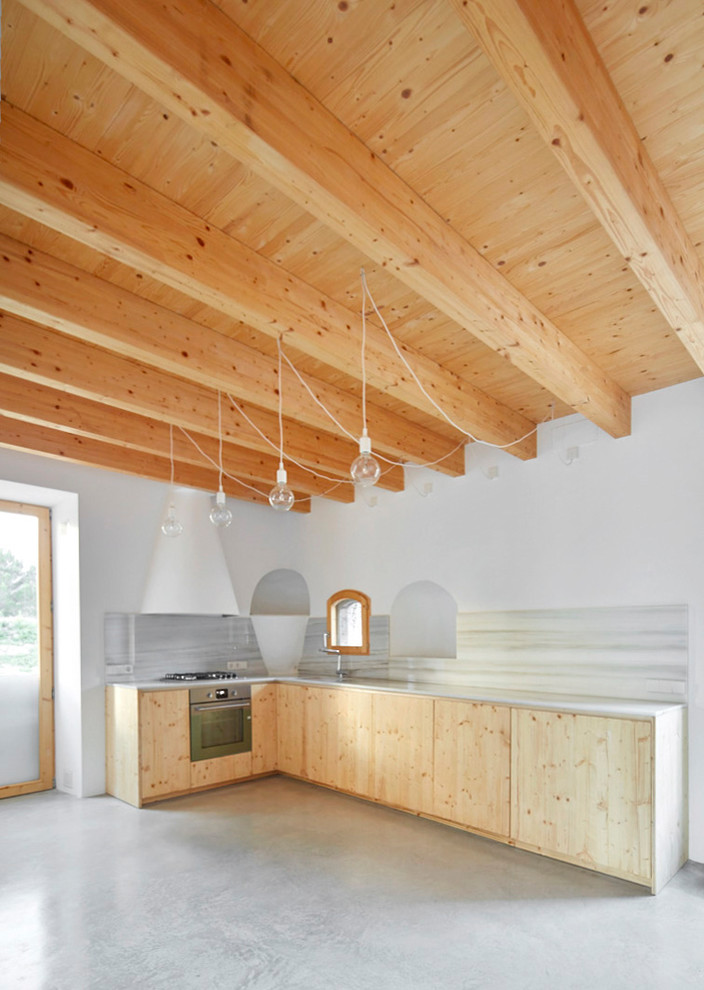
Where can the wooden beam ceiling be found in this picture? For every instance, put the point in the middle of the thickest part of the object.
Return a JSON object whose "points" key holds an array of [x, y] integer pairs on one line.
{"points": [[66, 412], [48, 358], [75, 447], [55, 181], [185, 184], [546, 56], [49, 291], [246, 102]]}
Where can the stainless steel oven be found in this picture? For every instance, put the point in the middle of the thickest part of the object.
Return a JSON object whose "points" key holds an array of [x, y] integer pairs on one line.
{"points": [[221, 721]]}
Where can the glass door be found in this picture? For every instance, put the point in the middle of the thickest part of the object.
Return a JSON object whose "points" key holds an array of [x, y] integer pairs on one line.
{"points": [[26, 650]]}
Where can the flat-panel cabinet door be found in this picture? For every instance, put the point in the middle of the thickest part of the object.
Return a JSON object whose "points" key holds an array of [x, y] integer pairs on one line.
{"points": [[264, 735], [472, 778], [582, 790], [402, 746], [164, 743], [290, 711], [337, 738], [221, 770]]}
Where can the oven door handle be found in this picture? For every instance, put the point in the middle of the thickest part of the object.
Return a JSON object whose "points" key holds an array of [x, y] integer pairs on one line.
{"points": [[217, 707]]}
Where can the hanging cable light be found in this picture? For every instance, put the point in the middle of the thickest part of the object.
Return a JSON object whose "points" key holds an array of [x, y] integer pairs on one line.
{"points": [[365, 469], [220, 515], [281, 497], [171, 526]]}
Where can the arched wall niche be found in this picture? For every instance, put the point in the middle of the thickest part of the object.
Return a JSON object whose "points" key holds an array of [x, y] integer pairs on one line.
{"points": [[281, 592], [279, 612], [423, 622]]}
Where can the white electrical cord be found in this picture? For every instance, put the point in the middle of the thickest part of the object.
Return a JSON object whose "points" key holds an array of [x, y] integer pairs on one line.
{"points": [[281, 415], [431, 400], [244, 484], [220, 439], [171, 452], [337, 481]]}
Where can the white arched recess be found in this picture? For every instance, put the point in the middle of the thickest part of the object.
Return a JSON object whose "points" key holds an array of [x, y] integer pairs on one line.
{"points": [[67, 627], [423, 622], [279, 612]]}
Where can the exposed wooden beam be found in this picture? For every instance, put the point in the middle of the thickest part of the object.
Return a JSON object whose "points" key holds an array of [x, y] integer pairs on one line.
{"points": [[19, 435], [61, 362], [547, 57], [51, 292], [194, 60], [56, 410], [60, 184]]}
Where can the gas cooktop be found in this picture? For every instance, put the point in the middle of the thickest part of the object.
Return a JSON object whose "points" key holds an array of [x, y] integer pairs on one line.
{"points": [[202, 675]]}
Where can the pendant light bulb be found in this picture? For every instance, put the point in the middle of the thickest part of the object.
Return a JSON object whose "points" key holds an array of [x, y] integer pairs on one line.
{"points": [[171, 525], [220, 515], [365, 470], [281, 497]]}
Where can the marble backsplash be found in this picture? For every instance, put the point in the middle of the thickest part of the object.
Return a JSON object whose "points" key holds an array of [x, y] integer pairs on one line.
{"points": [[145, 647], [639, 652]]}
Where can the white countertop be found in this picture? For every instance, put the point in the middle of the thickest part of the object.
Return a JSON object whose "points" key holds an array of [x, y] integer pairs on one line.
{"points": [[519, 699]]}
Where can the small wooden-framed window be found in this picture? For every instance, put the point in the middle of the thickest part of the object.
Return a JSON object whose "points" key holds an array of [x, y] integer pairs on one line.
{"points": [[348, 621]]}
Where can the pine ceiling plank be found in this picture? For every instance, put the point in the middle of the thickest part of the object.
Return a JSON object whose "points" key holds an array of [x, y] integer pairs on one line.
{"points": [[459, 137], [60, 184], [19, 435], [46, 290], [548, 59], [49, 407], [245, 101], [69, 365]]}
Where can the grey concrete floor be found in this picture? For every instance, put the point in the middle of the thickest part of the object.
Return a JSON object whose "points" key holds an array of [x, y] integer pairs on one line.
{"points": [[279, 885]]}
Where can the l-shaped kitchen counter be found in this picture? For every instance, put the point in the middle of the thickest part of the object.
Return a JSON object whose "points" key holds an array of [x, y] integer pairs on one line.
{"points": [[600, 783]]}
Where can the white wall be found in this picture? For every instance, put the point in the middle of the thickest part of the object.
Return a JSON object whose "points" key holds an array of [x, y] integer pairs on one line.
{"points": [[621, 525]]}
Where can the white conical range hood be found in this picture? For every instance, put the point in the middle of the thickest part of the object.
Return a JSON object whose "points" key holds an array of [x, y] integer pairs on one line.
{"points": [[188, 573]]}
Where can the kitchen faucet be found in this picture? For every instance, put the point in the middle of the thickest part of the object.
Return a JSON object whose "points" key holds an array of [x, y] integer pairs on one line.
{"points": [[335, 652]]}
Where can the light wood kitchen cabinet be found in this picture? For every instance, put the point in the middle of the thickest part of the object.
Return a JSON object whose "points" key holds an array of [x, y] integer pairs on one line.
{"points": [[402, 751], [165, 743], [122, 744], [148, 744], [337, 735], [222, 770], [583, 790], [264, 728], [290, 723], [606, 792], [472, 765]]}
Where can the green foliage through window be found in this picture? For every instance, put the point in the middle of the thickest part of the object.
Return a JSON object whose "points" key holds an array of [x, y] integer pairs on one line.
{"points": [[18, 614]]}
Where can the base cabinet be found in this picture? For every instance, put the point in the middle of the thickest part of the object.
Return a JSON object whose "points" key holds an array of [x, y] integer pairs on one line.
{"points": [[604, 792], [584, 791], [148, 752], [164, 743], [223, 770], [290, 722], [337, 733], [264, 728], [472, 765], [402, 751], [148, 745]]}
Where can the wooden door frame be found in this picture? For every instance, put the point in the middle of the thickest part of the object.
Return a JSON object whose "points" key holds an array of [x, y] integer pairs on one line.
{"points": [[45, 780]]}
